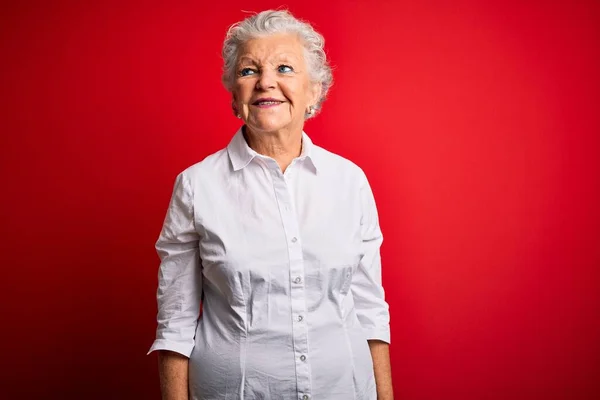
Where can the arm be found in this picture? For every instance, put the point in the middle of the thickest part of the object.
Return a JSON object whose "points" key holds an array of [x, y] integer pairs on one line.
{"points": [[173, 373], [371, 308], [179, 292], [380, 352]]}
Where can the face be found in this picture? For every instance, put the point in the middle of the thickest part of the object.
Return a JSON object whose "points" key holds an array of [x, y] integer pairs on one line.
{"points": [[272, 90]]}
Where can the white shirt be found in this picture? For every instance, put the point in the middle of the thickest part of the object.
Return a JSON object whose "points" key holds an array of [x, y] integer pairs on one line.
{"points": [[288, 271]]}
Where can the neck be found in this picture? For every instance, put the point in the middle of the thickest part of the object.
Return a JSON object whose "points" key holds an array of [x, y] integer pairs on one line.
{"points": [[283, 147]]}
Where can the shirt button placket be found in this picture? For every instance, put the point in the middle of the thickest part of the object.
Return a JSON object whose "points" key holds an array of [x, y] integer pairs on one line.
{"points": [[292, 232]]}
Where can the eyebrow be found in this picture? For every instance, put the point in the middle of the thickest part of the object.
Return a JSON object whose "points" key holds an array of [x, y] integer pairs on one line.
{"points": [[246, 59], [281, 58]]}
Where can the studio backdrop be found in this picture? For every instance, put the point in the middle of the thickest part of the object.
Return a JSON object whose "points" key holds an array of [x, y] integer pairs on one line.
{"points": [[476, 122]]}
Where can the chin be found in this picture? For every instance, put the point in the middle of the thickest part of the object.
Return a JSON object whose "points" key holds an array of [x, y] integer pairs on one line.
{"points": [[267, 126]]}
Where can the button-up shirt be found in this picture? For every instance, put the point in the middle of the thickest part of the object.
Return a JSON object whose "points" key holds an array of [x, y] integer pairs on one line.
{"points": [[270, 282]]}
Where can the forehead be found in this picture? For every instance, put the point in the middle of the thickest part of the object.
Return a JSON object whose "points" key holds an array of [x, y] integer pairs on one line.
{"points": [[272, 48]]}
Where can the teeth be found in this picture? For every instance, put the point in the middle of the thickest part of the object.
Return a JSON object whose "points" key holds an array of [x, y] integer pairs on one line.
{"points": [[268, 102]]}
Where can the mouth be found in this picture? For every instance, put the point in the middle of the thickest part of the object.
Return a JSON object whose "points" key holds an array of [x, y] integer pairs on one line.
{"points": [[266, 103]]}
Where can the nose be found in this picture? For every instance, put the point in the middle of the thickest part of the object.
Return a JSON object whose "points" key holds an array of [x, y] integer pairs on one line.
{"points": [[267, 80]]}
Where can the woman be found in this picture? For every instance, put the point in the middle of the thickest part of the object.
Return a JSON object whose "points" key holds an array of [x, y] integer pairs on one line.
{"points": [[278, 238]]}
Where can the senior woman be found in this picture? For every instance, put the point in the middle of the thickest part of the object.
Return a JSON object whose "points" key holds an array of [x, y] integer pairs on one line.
{"points": [[278, 239]]}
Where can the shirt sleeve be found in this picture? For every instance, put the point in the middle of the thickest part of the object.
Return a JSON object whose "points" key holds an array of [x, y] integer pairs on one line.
{"points": [[369, 299], [179, 276]]}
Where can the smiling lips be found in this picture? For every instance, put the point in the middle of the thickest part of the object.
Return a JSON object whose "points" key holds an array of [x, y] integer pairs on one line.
{"points": [[267, 102]]}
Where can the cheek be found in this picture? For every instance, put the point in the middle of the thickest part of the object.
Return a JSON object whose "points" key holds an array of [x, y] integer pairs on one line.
{"points": [[242, 93], [295, 94]]}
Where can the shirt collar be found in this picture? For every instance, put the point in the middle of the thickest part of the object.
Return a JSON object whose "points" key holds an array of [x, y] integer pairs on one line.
{"points": [[241, 154]]}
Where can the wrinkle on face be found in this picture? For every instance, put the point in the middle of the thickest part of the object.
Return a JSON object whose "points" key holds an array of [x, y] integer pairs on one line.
{"points": [[261, 59]]}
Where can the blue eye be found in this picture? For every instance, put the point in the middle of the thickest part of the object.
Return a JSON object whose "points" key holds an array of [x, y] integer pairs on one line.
{"points": [[246, 71], [285, 68]]}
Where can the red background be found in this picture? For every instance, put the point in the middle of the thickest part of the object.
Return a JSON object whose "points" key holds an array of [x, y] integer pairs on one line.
{"points": [[477, 123]]}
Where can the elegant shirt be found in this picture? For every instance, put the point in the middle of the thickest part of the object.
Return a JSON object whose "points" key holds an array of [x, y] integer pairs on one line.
{"points": [[270, 282]]}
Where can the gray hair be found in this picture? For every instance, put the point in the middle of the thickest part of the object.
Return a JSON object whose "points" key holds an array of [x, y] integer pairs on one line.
{"points": [[272, 22]]}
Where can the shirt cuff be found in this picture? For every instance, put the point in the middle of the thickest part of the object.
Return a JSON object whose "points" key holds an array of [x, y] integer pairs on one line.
{"points": [[379, 334], [164, 344]]}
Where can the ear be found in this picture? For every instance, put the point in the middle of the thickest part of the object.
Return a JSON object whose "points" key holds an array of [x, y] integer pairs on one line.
{"points": [[234, 108], [315, 92]]}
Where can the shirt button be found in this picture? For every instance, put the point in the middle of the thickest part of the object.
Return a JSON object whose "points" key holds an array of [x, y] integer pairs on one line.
{"points": [[297, 280], [300, 318], [305, 397], [303, 357], [294, 240]]}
